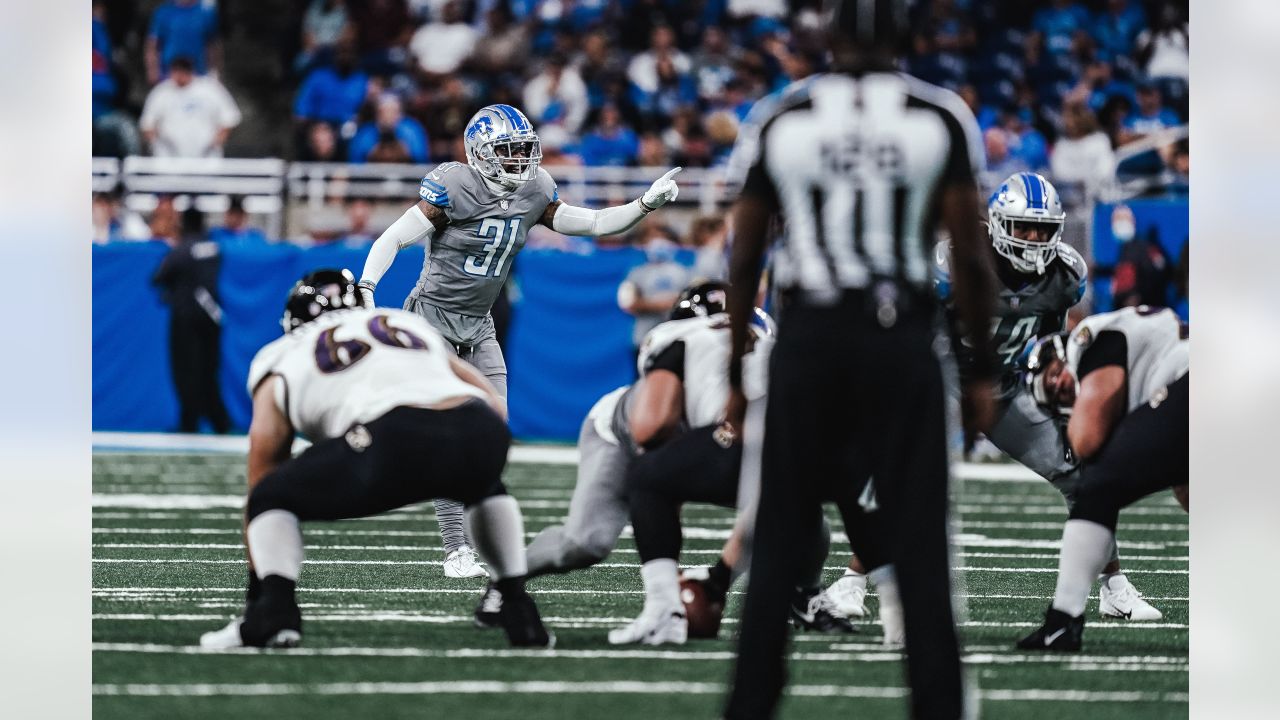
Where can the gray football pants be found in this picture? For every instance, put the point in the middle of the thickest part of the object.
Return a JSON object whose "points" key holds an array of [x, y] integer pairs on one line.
{"points": [[598, 510], [1028, 434], [484, 355]]}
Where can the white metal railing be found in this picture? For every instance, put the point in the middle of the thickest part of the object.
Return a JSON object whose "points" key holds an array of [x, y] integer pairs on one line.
{"points": [[1123, 187], [106, 174]]}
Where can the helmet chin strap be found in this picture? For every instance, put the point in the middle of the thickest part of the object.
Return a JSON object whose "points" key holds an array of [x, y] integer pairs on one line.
{"points": [[1040, 264]]}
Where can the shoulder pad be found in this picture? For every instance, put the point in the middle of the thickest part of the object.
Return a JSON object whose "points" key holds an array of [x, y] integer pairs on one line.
{"points": [[667, 333], [266, 360], [942, 270], [547, 185], [435, 185], [1077, 269]]}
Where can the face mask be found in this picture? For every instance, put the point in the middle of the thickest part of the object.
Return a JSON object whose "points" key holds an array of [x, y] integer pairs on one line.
{"points": [[660, 250], [1123, 227]]}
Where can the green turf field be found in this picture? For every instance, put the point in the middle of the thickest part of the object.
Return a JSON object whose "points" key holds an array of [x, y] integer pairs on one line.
{"points": [[386, 633]]}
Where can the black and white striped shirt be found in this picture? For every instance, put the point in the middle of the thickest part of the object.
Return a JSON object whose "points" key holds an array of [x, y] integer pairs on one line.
{"points": [[856, 165]]}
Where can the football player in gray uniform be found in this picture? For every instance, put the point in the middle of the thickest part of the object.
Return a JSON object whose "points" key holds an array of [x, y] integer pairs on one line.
{"points": [[1039, 281], [395, 419], [1123, 379], [473, 218]]}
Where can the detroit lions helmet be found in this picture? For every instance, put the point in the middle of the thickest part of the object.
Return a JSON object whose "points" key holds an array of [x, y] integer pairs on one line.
{"points": [[1026, 202], [320, 292], [502, 146]]}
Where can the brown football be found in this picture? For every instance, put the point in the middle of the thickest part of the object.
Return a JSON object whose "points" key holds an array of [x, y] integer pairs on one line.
{"points": [[704, 615]]}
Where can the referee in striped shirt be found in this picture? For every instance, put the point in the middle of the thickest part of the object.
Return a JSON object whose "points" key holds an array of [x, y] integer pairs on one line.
{"points": [[859, 165]]}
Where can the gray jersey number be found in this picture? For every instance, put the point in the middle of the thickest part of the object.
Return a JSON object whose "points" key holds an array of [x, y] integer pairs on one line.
{"points": [[502, 233]]}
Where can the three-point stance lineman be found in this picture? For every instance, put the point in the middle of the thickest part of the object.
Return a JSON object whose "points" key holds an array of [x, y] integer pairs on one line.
{"points": [[474, 218], [1123, 378], [395, 419]]}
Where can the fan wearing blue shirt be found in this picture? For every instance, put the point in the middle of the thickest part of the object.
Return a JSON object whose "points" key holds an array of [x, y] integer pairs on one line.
{"points": [[389, 118], [235, 231], [333, 94], [1151, 114], [1117, 27], [1059, 23], [610, 142], [182, 28]]}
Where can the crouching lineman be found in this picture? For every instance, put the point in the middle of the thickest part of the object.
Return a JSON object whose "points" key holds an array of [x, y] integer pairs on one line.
{"points": [[1038, 280], [684, 363], [1122, 378], [395, 419]]}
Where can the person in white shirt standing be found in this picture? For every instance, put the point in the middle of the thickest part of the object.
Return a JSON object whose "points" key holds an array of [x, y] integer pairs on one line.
{"points": [[188, 116]]}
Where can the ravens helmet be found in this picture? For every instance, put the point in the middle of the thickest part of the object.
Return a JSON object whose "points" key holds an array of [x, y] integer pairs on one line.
{"points": [[317, 293], [1044, 358], [701, 300]]}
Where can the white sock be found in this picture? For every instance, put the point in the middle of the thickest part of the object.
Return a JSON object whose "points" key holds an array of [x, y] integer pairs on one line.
{"points": [[890, 604], [661, 584], [275, 544], [859, 579], [1113, 581], [497, 529], [1086, 545]]}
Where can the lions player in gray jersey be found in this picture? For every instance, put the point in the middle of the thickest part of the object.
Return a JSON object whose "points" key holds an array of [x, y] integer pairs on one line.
{"points": [[1039, 280], [1123, 379], [474, 218]]}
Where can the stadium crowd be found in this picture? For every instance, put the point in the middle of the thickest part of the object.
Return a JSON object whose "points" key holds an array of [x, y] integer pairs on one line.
{"points": [[646, 82]]}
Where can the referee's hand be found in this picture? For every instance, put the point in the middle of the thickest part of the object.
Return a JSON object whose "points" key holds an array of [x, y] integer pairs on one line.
{"points": [[977, 410], [735, 410]]}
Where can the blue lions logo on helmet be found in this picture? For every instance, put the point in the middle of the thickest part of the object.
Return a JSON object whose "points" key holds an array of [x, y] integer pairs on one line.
{"points": [[482, 126]]}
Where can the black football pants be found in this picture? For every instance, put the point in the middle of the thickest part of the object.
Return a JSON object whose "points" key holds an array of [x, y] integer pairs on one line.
{"points": [[847, 399]]}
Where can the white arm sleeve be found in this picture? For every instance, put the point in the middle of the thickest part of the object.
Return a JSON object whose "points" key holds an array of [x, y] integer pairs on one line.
{"points": [[572, 220], [412, 226]]}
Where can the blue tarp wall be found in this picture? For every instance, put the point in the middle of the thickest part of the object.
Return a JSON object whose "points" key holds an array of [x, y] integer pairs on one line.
{"points": [[568, 343], [1168, 217]]}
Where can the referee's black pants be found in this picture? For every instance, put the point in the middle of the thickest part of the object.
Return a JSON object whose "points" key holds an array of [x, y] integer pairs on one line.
{"points": [[848, 398]]}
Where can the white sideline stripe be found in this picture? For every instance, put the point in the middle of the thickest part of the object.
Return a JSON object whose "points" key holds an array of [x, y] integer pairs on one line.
{"points": [[627, 687], [240, 561], [568, 621], [1158, 663], [160, 592], [530, 454], [625, 551]]}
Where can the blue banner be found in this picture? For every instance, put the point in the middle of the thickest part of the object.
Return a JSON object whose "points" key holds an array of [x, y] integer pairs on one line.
{"points": [[568, 343]]}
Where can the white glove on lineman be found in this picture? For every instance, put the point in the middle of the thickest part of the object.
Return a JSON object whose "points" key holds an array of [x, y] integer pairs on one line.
{"points": [[663, 191]]}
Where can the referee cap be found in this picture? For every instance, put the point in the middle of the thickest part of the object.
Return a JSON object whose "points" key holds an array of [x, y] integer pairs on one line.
{"points": [[868, 23]]}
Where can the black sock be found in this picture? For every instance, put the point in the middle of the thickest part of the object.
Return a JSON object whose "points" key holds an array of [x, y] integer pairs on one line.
{"points": [[511, 587], [255, 588], [719, 577], [277, 587]]}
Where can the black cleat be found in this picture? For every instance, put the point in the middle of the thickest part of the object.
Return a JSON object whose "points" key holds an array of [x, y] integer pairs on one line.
{"points": [[1060, 632], [273, 619], [489, 612], [811, 609], [519, 617]]}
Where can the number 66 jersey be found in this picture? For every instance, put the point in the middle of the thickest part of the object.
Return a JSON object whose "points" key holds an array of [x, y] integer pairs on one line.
{"points": [[353, 366]]}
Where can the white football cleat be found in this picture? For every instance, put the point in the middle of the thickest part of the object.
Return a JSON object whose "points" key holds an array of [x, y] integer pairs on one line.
{"points": [[227, 637], [659, 627], [1118, 598], [849, 595], [463, 563]]}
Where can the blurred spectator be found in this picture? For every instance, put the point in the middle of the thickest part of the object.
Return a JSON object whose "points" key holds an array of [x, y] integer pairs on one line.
{"points": [[321, 144], [359, 232], [1177, 159], [687, 140], [442, 47], [1143, 275], [164, 220], [599, 65], [506, 42], [675, 90], [1163, 48], [114, 223], [382, 29], [1151, 114], [391, 137], [556, 96], [929, 64], [1117, 27], [950, 26], [652, 152], [188, 116], [757, 8], [1024, 141], [708, 236], [643, 68], [235, 230], [322, 26], [333, 94], [1098, 84], [713, 62], [1112, 116], [609, 142], [1059, 23], [1084, 155], [114, 132], [188, 283], [722, 131], [1000, 162], [450, 109], [984, 114], [650, 289], [186, 29]]}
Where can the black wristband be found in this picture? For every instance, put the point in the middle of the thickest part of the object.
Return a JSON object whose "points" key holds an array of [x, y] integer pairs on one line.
{"points": [[367, 284]]}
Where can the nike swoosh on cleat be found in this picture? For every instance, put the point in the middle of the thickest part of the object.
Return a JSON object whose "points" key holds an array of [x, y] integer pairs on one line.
{"points": [[1050, 638]]}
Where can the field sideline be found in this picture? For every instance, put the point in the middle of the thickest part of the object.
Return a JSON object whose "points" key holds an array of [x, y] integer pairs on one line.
{"points": [[384, 629]]}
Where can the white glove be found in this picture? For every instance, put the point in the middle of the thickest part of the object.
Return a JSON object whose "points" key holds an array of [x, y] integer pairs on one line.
{"points": [[366, 292], [663, 191]]}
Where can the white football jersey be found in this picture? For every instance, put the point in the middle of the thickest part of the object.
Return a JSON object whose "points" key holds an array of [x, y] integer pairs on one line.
{"points": [[706, 363], [1158, 354], [353, 366]]}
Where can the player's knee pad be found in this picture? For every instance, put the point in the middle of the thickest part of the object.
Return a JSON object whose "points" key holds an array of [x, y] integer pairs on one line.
{"points": [[1095, 505], [265, 496]]}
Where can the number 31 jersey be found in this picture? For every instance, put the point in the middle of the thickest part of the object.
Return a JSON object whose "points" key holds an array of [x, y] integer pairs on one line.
{"points": [[469, 259], [353, 366]]}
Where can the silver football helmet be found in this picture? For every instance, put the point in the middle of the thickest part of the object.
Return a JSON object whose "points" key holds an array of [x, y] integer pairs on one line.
{"points": [[502, 146], [1026, 202]]}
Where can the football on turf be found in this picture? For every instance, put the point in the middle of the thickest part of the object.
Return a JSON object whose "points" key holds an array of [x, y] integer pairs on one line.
{"points": [[703, 614]]}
